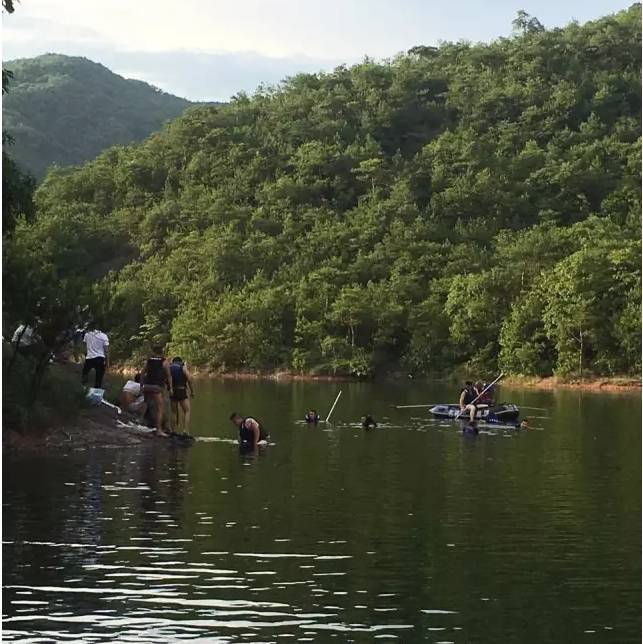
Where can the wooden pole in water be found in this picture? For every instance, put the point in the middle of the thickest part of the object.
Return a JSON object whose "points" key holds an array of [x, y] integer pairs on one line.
{"points": [[411, 406], [333, 407]]}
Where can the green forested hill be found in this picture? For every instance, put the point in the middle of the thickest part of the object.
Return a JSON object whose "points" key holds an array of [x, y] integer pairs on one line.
{"points": [[471, 205], [66, 110]]}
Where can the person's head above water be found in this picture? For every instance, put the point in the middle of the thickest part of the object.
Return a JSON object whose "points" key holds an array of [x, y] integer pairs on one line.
{"points": [[236, 418], [470, 427]]}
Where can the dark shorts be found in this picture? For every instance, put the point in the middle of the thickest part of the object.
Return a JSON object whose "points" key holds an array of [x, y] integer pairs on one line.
{"points": [[98, 364], [179, 394], [153, 389]]}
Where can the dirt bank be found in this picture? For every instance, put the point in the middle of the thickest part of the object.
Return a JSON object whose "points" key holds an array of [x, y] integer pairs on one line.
{"points": [[127, 371], [598, 385], [612, 384], [94, 427], [276, 375]]}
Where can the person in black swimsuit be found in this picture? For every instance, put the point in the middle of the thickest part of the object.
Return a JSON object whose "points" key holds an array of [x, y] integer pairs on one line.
{"points": [[469, 428], [368, 422], [156, 379], [181, 382], [311, 417], [250, 431]]}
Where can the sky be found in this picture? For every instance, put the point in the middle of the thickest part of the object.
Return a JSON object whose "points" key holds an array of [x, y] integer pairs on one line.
{"points": [[212, 49]]}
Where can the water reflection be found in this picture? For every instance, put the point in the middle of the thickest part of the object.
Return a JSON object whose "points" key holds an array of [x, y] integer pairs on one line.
{"points": [[411, 532]]}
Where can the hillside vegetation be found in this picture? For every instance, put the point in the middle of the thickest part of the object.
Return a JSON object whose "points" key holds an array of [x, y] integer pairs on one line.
{"points": [[67, 110], [467, 205]]}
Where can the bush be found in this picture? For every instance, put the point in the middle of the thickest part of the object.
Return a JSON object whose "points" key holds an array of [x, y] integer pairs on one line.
{"points": [[61, 393]]}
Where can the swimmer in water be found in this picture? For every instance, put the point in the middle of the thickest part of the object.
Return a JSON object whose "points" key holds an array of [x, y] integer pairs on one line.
{"points": [[524, 424], [312, 417], [251, 432], [368, 422], [470, 428]]}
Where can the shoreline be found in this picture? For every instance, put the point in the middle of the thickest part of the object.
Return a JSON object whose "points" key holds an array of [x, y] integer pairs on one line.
{"points": [[607, 384], [94, 427], [614, 384], [127, 371]]}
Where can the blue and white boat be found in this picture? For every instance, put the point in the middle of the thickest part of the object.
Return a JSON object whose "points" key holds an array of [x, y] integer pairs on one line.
{"points": [[504, 412]]}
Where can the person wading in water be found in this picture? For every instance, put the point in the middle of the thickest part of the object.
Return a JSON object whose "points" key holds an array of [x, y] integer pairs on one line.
{"points": [[311, 417], [156, 379], [250, 431], [181, 382]]}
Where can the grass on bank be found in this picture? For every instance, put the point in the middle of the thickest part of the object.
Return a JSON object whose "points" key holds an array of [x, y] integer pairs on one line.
{"points": [[60, 396]]}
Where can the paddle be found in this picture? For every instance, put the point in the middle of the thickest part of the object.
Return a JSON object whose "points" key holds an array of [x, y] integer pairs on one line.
{"points": [[410, 406], [491, 384], [333, 407]]}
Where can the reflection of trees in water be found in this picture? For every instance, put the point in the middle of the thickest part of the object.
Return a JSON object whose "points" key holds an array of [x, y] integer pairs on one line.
{"points": [[249, 454], [161, 467], [84, 523], [57, 501]]}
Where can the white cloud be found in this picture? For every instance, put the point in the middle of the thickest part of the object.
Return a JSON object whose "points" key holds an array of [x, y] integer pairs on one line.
{"points": [[331, 29], [284, 35]]}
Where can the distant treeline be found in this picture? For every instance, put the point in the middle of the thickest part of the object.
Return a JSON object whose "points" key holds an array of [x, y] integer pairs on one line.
{"points": [[468, 206], [66, 110]]}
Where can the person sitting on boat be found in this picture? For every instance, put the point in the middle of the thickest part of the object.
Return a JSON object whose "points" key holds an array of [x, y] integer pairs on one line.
{"points": [[486, 397], [311, 417], [368, 422], [468, 394], [251, 433]]}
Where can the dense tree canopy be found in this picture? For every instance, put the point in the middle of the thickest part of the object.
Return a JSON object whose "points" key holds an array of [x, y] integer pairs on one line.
{"points": [[468, 204], [66, 110]]}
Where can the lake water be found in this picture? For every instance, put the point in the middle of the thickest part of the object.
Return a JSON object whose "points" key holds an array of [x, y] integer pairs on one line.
{"points": [[409, 533]]}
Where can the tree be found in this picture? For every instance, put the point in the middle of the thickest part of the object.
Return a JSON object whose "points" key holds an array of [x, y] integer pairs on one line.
{"points": [[525, 347], [455, 207], [526, 24], [17, 193], [17, 186]]}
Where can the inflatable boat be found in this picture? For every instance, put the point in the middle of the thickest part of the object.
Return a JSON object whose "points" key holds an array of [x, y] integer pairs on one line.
{"points": [[502, 412]]}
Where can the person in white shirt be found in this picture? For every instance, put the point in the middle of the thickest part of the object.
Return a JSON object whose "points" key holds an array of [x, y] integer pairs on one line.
{"points": [[97, 344], [26, 341], [24, 336], [132, 399]]}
